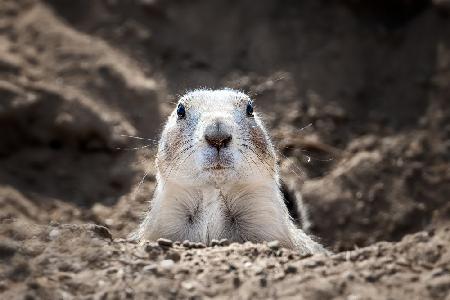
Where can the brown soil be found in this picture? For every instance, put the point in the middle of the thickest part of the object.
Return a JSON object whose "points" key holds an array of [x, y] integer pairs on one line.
{"points": [[373, 168]]}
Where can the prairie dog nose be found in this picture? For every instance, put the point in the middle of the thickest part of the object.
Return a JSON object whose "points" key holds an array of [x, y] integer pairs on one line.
{"points": [[217, 136]]}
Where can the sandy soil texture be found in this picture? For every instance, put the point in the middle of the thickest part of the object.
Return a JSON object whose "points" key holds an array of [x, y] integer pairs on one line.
{"points": [[356, 96]]}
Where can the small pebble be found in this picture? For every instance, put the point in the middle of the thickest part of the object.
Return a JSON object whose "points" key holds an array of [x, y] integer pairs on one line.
{"points": [[7, 249], [186, 244], [54, 223], [224, 242], [290, 269], [236, 281], [150, 268], [167, 264], [64, 277], [187, 285], [111, 271], [200, 245], [183, 270], [274, 245], [215, 242], [263, 281], [33, 285], [370, 277], [29, 297], [101, 231], [175, 256], [314, 264], [129, 293], [120, 240], [348, 275], [259, 270], [303, 256], [53, 234], [165, 242]]}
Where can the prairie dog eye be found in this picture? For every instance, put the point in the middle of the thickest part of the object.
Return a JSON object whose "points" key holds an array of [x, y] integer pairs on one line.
{"points": [[249, 109], [181, 111]]}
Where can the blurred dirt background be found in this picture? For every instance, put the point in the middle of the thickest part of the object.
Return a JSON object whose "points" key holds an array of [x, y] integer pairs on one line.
{"points": [[356, 95]]}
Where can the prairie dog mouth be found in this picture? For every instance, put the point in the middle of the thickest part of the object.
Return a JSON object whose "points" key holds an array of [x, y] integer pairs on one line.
{"points": [[217, 167]]}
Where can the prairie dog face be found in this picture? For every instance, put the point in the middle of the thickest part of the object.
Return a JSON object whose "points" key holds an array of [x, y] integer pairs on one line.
{"points": [[215, 137]]}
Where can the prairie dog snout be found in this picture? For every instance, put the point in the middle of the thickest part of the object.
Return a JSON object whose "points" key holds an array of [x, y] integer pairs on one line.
{"points": [[217, 134]]}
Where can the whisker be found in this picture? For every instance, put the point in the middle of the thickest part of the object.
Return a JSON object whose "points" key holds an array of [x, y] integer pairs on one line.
{"points": [[136, 191], [134, 148], [138, 137], [189, 155], [269, 168], [178, 157], [179, 153], [254, 93], [305, 127], [293, 163], [254, 162], [245, 157], [315, 158]]}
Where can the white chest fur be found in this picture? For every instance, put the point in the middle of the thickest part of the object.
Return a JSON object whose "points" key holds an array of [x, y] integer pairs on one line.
{"points": [[239, 213], [203, 214]]}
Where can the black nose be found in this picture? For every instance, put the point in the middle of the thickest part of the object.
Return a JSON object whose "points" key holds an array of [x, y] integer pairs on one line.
{"points": [[216, 136]]}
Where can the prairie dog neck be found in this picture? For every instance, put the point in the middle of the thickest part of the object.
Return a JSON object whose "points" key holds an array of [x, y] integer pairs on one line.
{"points": [[235, 211]]}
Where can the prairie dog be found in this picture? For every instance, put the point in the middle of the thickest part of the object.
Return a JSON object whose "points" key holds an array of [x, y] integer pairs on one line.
{"points": [[218, 177]]}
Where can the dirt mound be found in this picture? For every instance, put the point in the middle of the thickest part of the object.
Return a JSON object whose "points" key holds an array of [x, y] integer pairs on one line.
{"points": [[355, 96], [48, 263]]}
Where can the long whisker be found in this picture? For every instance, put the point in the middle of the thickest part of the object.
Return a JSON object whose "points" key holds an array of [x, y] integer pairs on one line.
{"points": [[134, 148], [189, 155], [305, 127], [135, 193], [177, 162], [175, 159], [178, 154], [138, 138], [293, 164], [279, 152], [245, 157], [316, 158], [254, 162], [255, 93], [269, 167]]}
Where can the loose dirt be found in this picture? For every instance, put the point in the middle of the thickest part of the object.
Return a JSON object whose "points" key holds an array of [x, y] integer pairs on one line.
{"points": [[356, 97]]}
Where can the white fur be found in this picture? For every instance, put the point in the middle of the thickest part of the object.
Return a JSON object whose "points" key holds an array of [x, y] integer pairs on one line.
{"points": [[241, 202]]}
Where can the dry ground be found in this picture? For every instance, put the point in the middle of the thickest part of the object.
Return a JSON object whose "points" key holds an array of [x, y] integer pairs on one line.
{"points": [[373, 168]]}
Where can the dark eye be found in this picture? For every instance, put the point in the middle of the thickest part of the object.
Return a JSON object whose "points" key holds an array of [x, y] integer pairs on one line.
{"points": [[181, 111], [250, 109]]}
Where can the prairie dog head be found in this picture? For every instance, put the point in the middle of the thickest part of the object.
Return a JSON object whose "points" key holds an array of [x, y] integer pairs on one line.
{"points": [[215, 137]]}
